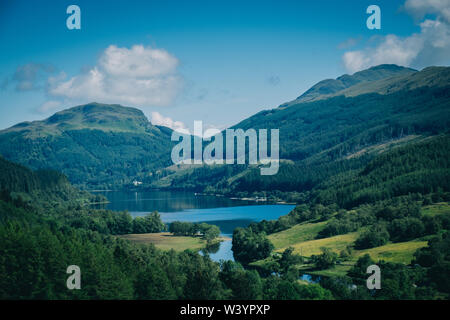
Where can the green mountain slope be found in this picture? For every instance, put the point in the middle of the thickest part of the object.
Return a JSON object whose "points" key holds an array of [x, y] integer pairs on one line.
{"points": [[339, 126], [95, 145], [336, 134], [330, 87]]}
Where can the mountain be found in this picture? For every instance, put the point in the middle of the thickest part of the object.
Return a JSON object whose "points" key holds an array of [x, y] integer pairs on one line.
{"points": [[95, 145], [93, 116], [329, 87], [340, 125], [338, 133]]}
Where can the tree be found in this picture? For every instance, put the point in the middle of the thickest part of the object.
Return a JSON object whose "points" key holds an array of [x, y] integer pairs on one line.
{"points": [[359, 269], [376, 236], [325, 260], [288, 259], [150, 223], [248, 246], [405, 229], [210, 232]]}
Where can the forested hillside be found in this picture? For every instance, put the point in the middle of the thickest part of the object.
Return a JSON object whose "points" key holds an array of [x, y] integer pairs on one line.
{"points": [[422, 168], [47, 187], [96, 146]]}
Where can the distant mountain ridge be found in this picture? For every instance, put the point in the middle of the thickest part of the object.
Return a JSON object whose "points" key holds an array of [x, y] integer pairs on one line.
{"points": [[341, 85], [374, 111], [90, 116]]}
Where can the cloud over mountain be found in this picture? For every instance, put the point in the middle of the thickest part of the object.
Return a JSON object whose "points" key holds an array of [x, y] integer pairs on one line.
{"points": [[160, 120]]}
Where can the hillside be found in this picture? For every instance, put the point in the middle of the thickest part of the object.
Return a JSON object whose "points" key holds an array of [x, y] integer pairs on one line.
{"points": [[95, 145], [394, 211], [422, 167], [337, 133], [338, 126], [329, 87], [37, 189]]}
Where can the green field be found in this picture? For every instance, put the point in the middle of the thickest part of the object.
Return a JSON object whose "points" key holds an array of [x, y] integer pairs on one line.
{"points": [[436, 209], [298, 233], [166, 241], [401, 252], [302, 238], [338, 270], [336, 244]]}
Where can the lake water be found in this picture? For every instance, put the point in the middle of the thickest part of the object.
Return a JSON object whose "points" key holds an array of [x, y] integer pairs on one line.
{"points": [[226, 213]]}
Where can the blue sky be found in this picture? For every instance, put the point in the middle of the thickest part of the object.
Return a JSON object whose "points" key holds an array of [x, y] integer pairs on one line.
{"points": [[215, 61]]}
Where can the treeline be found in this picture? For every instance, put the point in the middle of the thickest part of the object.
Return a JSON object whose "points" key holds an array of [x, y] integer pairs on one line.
{"points": [[43, 187], [107, 222], [73, 215], [426, 278], [397, 220], [321, 138], [301, 213], [341, 126], [207, 231], [298, 177]]}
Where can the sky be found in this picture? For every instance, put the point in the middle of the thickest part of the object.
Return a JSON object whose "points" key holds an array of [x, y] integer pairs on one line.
{"points": [[215, 61]]}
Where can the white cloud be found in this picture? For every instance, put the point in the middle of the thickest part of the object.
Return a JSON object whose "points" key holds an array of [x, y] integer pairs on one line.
{"points": [[355, 60], [139, 76], [137, 62], [160, 120], [208, 130], [430, 46], [419, 8]]}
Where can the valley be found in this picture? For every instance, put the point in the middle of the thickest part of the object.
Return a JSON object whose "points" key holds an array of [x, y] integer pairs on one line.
{"points": [[364, 166]]}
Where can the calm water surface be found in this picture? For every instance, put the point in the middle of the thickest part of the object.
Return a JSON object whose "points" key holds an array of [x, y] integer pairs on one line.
{"points": [[187, 206]]}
